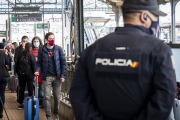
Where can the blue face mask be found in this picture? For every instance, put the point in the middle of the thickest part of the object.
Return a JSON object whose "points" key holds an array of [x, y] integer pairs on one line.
{"points": [[36, 44], [13, 47], [154, 27]]}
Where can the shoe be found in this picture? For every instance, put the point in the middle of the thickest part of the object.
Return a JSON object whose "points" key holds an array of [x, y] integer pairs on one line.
{"points": [[1, 113], [41, 106], [20, 107], [56, 117]]}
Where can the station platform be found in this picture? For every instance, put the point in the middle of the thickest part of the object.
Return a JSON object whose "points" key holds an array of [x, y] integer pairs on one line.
{"points": [[11, 106]]}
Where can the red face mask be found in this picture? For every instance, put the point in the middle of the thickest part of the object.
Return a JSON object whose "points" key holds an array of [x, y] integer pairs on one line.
{"points": [[51, 42], [9, 47]]}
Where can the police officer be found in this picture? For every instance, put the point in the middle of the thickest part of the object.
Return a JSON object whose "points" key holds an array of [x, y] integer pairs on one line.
{"points": [[127, 75]]}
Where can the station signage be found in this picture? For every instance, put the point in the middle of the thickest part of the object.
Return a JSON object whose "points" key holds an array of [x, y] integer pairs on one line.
{"points": [[34, 17], [2, 33], [40, 26]]}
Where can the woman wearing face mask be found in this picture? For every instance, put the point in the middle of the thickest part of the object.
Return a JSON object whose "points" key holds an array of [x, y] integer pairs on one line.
{"points": [[14, 46], [37, 44], [25, 67]]}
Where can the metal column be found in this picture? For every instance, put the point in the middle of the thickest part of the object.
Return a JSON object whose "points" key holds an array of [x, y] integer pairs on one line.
{"points": [[35, 29], [117, 16], [80, 26], [173, 22], [43, 25], [10, 34], [63, 46], [48, 26], [9, 23], [7, 30]]}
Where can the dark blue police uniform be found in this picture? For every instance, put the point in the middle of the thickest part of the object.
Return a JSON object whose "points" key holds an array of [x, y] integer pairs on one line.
{"points": [[127, 75]]}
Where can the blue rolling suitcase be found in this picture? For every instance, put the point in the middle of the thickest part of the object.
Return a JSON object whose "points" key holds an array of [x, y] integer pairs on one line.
{"points": [[31, 108], [31, 105]]}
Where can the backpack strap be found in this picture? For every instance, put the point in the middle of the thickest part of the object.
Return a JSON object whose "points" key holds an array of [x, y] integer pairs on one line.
{"points": [[58, 51], [42, 51]]}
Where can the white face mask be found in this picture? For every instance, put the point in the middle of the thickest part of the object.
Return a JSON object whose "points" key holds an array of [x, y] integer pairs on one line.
{"points": [[8, 44]]}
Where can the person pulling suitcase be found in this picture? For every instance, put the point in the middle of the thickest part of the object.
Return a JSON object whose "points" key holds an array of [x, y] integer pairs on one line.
{"points": [[25, 68]]}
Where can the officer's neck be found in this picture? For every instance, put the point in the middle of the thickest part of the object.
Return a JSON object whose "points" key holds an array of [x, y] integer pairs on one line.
{"points": [[134, 23]]}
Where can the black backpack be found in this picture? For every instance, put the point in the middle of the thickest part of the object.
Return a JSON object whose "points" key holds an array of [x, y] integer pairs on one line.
{"points": [[24, 65]]}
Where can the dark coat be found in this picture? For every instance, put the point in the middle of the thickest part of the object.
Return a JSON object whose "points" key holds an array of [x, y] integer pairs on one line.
{"points": [[18, 51], [60, 62], [32, 63], [126, 75], [4, 60]]}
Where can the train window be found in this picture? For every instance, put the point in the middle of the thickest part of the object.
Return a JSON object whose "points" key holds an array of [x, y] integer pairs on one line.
{"points": [[177, 23], [165, 23]]}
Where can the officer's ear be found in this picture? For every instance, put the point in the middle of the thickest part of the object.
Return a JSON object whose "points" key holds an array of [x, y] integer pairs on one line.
{"points": [[143, 17]]}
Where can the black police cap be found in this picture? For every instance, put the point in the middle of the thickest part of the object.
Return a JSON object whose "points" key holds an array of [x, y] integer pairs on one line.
{"points": [[150, 5]]}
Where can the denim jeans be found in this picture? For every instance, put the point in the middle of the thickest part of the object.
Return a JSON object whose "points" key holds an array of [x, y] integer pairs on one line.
{"points": [[40, 92], [56, 85], [3, 83]]}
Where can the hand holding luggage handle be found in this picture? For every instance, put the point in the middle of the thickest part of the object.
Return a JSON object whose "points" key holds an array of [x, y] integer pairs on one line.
{"points": [[36, 87]]}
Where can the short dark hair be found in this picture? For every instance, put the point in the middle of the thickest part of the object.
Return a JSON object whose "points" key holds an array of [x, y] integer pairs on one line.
{"points": [[27, 48], [130, 14], [3, 40], [24, 37], [40, 41], [9, 40], [48, 34], [2, 45]]}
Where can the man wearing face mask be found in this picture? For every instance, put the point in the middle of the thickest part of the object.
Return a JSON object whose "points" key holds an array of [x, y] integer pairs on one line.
{"points": [[128, 74], [19, 51], [52, 63], [21, 48]]}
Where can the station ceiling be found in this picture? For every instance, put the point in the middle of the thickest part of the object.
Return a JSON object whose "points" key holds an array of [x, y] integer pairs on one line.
{"points": [[120, 2], [54, 6]]}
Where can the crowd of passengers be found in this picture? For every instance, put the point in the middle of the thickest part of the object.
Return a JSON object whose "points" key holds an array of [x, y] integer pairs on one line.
{"points": [[47, 61]]}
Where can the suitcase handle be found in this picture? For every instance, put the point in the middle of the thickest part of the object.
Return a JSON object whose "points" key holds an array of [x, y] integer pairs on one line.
{"points": [[33, 108], [36, 87]]}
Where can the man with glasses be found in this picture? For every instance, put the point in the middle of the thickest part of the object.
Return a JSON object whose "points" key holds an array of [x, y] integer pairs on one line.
{"points": [[52, 63], [128, 74]]}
